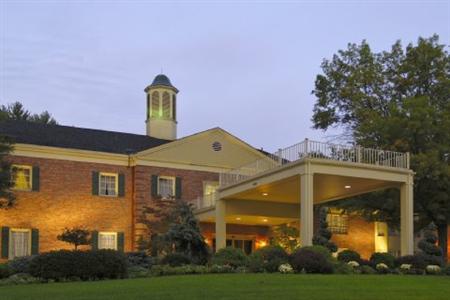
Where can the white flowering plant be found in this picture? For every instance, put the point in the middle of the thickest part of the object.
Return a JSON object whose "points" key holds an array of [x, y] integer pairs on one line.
{"points": [[433, 269], [405, 267], [382, 268], [285, 269], [353, 264]]}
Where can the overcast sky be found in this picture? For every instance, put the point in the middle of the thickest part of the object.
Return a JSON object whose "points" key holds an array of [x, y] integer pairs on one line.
{"points": [[246, 67]]}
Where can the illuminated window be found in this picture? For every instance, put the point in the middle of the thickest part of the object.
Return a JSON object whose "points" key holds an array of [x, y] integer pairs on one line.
{"points": [[245, 245], [166, 105], [108, 184], [166, 187], [21, 177], [155, 105], [19, 243], [337, 222], [107, 240], [209, 191]]}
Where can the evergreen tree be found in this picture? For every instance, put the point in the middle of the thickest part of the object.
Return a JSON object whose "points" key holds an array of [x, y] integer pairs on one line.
{"points": [[7, 197], [16, 111], [323, 234], [428, 244]]}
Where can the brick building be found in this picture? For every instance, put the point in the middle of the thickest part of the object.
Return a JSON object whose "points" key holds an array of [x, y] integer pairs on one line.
{"points": [[102, 180]]}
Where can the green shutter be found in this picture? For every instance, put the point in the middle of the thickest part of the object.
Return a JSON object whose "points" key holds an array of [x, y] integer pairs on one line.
{"points": [[95, 183], [5, 242], [121, 185], [120, 241], [154, 186], [178, 188], [35, 179], [34, 241], [94, 240]]}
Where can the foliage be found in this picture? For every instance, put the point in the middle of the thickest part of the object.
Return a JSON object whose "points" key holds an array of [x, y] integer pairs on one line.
{"points": [[174, 228], [446, 270], [268, 259], [4, 271], [285, 269], [348, 255], [230, 256], [86, 265], [343, 268], [428, 245], [395, 100], [323, 235], [382, 258], [20, 264], [285, 236], [366, 270], [16, 111], [433, 269], [20, 278], [166, 270], [308, 261], [176, 259], [138, 272], [75, 236], [140, 259], [7, 197], [322, 250]]}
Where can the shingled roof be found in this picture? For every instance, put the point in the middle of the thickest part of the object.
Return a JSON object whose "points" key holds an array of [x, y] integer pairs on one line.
{"points": [[77, 138]]}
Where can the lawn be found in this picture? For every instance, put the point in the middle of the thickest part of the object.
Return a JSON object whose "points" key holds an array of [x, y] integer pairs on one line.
{"points": [[242, 286]]}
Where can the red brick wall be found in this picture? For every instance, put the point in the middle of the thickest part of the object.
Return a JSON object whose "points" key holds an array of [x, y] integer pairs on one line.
{"points": [[65, 200], [191, 189]]}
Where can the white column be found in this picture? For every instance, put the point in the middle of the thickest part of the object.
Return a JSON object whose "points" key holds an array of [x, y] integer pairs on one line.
{"points": [[306, 208], [407, 217], [221, 226]]}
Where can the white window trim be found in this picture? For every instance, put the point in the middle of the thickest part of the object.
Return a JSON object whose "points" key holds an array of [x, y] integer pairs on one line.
{"points": [[30, 242], [107, 233], [31, 176], [116, 188], [173, 185]]}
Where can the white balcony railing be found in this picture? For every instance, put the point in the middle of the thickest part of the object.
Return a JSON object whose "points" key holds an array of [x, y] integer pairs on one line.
{"points": [[313, 149]]}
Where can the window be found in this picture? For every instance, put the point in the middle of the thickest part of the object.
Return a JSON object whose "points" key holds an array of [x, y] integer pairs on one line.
{"points": [[19, 243], [166, 105], [246, 245], [21, 177], [209, 190], [166, 187], [107, 240], [155, 105], [108, 184], [337, 222]]}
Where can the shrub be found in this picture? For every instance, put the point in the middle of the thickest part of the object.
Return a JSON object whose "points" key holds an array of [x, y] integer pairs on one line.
{"points": [[4, 271], [167, 270], [137, 272], [286, 269], [323, 235], [417, 261], [176, 260], [221, 269], [20, 264], [446, 270], [267, 259], [20, 278], [306, 260], [230, 257], [365, 269], [321, 250], [382, 268], [348, 255], [87, 265], [353, 264], [140, 259], [382, 258], [433, 269], [343, 268]]}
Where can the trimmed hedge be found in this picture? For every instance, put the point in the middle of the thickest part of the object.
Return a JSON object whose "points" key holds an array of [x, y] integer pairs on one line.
{"points": [[229, 256], [86, 265], [306, 260], [382, 258], [20, 264], [4, 271], [348, 255], [267, 259], [176, 260]]}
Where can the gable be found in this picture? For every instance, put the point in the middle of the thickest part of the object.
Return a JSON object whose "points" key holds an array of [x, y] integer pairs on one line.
{"points": [[212, 148]]}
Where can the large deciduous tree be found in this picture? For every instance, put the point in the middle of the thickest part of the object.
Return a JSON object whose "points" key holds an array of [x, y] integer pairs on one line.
{"points": [[396, 100], [7, 197]]}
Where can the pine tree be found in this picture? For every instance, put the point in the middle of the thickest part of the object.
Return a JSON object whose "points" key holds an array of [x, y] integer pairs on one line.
{"points": [[323, 235]]}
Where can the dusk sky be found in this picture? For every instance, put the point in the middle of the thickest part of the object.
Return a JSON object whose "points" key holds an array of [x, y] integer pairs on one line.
{"points": [[248, 67]]}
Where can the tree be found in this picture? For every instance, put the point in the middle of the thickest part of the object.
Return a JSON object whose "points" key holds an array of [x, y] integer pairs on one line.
{"points": [[285, 236], [396, 100], [16, 111], [7, 197], [75, 236], [323, 235], [173, 228], [428, 245]]}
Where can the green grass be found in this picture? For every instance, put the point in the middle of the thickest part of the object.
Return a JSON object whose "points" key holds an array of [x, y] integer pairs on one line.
{"points": [[243, 286]]}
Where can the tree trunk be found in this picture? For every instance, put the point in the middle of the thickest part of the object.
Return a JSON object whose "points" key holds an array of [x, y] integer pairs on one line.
{"points": [[443, 236]]}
